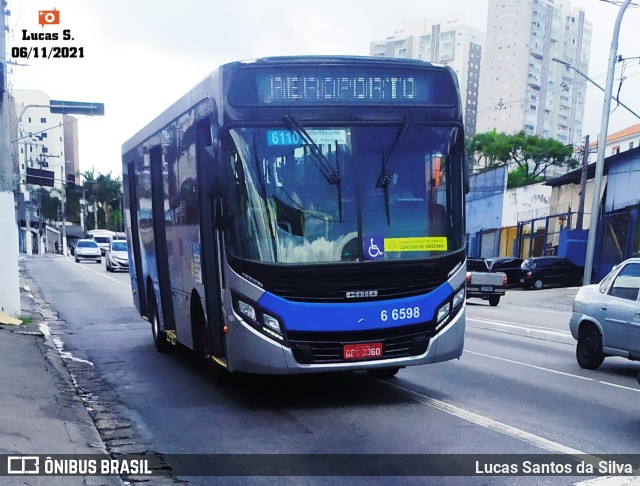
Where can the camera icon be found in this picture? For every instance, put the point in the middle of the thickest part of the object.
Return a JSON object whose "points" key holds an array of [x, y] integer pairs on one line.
{"points": [[49, 17]]}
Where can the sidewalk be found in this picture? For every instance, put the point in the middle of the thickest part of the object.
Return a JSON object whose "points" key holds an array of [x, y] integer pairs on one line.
{"points": [[40, 409]]}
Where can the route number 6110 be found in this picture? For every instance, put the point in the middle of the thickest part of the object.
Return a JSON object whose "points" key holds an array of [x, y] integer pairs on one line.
{"points": [[400, 314]]}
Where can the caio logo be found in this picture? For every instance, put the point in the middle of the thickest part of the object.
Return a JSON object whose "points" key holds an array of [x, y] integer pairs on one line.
{"points": [[49, 17]]}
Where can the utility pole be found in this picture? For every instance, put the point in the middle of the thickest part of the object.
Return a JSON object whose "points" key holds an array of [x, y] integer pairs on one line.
{"points": [[602, 142], [9, 283], [583, 183]]}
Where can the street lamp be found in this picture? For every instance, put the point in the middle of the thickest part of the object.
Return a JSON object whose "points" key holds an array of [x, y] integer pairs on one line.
{"points": [[595, 203]]}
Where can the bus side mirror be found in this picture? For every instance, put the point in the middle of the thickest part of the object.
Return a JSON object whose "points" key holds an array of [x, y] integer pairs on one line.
{"points": [[221, 218]]}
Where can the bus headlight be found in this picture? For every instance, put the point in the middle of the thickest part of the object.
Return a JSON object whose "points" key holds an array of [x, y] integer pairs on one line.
{"points": [[258, 318], [458, 298], [247, 310], [272, 324], [443, 312]]}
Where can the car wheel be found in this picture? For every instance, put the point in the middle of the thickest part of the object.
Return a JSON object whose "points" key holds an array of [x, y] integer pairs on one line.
{"points": [[538, 284], [383, 372], [494, 300], [77, 261], [589, 348], [159, 337]]}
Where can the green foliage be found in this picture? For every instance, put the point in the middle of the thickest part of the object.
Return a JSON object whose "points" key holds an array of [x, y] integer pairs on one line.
{"points": [[518, 178], [529, 155], [105, 191]]}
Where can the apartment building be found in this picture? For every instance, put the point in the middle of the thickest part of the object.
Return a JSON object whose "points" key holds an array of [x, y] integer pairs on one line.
{"points": [[442, 40], [40, 139], [521, 86]]}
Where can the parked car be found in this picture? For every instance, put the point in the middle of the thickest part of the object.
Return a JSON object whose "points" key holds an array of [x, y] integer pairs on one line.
{"points": [[605, 319], [508, 265], [538, 272], [88, 250], [483, 283], [117, 256]]}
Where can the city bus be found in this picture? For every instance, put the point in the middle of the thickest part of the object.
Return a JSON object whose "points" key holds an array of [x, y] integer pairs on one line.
{"points": [[304, 214]]}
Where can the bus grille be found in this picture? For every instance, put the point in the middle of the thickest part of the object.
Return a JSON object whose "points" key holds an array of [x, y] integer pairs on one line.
{"points": [[318, 347]]}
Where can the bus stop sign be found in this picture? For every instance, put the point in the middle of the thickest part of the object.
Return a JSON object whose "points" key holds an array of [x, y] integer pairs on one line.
{"points": [[76, 108]]}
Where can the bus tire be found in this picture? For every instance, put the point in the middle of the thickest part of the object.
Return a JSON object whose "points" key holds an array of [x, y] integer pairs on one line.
{"points": [[159, 337], [383, 372]]}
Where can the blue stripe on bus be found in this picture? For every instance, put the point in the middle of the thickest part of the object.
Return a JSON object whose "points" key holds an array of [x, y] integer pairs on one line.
{"points": [[305, 316]]}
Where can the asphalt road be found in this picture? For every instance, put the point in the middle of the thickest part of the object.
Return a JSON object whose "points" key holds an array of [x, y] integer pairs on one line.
{"points": [[516, 390]]}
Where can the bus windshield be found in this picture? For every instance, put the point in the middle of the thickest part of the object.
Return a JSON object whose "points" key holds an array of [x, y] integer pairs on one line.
{"points": [[344, 193]]}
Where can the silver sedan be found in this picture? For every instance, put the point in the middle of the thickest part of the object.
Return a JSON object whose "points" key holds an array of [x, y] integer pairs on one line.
{"points": [[606, 317]]}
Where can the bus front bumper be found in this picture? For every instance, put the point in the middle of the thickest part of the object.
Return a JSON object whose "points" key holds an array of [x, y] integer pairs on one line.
{"points": [[250, 351]]}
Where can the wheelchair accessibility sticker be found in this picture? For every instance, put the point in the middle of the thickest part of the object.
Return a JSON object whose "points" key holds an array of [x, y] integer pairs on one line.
{"points": [[373, 248]]}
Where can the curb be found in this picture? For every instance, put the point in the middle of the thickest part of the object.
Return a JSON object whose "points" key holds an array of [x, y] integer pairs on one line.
{"points": [[561, 337]]}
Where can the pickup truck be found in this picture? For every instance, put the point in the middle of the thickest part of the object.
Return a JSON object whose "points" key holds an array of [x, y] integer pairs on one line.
{"points": [[483, 283]]}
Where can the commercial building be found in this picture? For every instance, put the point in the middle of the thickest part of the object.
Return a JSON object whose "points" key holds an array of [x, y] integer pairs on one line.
{"points": [[521, 87], [443, 40]]}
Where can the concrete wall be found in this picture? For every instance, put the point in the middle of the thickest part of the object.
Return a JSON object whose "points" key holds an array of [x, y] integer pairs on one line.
{"points": [[520, 201]]}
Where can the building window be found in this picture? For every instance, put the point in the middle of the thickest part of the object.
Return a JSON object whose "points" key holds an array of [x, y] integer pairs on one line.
{"points": [[44, 135], [45, 150], [615, 150], [630, 145], [43, 120]]}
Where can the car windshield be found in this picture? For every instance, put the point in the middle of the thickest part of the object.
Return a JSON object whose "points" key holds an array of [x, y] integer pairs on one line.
{"points": [[87, 244], [340, 193], [119, 246], [101, 239]]}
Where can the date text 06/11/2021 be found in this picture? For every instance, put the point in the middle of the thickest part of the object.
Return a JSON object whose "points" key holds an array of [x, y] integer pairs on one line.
{"points": [[47, 52]]}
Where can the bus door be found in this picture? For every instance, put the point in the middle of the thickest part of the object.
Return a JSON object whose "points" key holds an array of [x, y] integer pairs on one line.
{"points": [[211, 179], [159, 236], [137, 278]]}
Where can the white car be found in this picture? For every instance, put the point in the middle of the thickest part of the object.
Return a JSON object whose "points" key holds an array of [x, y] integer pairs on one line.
{"points": [[606, 317], [87, 250], [117, 256]]}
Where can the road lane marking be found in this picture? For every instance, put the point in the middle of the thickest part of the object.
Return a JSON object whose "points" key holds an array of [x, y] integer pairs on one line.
{"points": [[500, 427], [525, 326], [108, 277], [549, 370]]}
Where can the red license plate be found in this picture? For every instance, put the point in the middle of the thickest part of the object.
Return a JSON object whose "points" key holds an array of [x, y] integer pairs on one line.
{"points": [[363, 351]]}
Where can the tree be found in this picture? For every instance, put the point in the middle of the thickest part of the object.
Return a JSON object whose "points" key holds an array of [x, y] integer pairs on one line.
{"points": [[530, 155], [104, 190]]}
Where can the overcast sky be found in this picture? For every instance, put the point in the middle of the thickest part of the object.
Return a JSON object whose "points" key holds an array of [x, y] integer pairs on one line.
{"points": [[141, 55]]}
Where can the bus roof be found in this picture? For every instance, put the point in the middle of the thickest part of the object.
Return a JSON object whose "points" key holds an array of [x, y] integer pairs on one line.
{"points": [[207, 88]]}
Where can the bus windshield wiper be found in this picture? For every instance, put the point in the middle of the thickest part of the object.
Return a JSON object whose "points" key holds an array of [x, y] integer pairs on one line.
{"points": [[331, 174], [383, 179]]}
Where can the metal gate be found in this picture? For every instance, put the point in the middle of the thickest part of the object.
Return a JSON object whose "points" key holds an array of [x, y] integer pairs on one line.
{"points": [[617, 232]]}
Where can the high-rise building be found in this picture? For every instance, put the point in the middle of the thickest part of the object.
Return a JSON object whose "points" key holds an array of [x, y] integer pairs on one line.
{"points": [[521, 87], [443, 40], [40, 139]]}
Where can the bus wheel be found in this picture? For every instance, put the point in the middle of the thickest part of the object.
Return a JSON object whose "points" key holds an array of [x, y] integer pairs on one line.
{"points": [[159, 337], [383, 372]]}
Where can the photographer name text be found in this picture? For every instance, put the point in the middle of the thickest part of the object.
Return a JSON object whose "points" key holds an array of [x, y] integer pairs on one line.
{"points": [[552, 468], [46, 52]]}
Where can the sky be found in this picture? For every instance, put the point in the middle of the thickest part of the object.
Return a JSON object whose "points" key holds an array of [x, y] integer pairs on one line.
{"points": [[142, 55]]}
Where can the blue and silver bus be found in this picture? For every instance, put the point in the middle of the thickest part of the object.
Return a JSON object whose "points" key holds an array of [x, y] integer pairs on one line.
{"points": [[304, 214]]}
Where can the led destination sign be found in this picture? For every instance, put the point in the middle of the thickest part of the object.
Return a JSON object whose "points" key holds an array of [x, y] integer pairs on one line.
{"points": [[342, 85], [329, 88]]}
